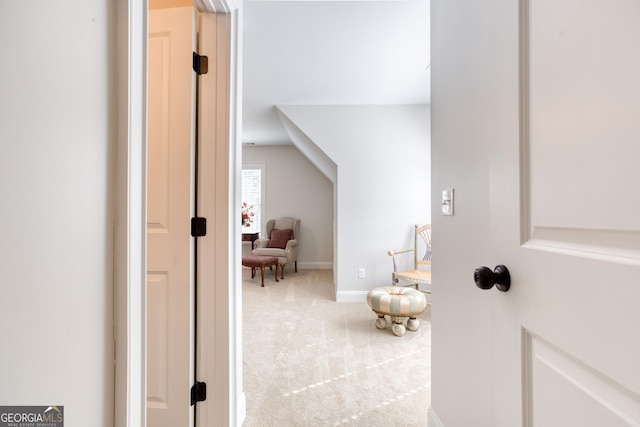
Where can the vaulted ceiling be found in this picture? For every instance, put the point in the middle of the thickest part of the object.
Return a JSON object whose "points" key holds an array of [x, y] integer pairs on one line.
{"points": [[304, 52]]}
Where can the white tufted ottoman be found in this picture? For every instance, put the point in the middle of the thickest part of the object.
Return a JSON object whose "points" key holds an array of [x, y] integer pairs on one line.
{"points": [[399, 304]]}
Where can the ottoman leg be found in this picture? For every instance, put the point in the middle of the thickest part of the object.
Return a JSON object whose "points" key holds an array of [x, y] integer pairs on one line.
{"points": [[413, 324], [277, 280], [381, 322], [398, 326], [262, 272]]}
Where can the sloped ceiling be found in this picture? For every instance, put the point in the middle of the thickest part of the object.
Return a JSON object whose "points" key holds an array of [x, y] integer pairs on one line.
{"points": [[330, 53]]}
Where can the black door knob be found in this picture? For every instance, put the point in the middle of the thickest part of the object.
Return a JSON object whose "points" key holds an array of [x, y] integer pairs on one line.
{"points": [[485, 278]]}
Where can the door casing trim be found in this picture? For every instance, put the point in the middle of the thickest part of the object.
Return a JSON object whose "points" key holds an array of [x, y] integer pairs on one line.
{"points": [[129, 228]]}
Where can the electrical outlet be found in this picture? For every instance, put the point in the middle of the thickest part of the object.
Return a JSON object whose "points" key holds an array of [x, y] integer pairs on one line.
{"points": [[361, 273]]}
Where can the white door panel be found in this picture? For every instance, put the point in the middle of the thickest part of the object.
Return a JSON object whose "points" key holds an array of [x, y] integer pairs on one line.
{"points": [[158, 317], [169, 211], [551, 373], [583, 112], [576, 267], [582, 209]]}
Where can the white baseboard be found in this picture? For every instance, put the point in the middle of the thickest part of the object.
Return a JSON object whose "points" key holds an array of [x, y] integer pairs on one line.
{"points": [[433, 420], [351, 296]]}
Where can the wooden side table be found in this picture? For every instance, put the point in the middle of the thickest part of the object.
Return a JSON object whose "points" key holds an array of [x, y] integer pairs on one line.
{"points": [[250, 237]]}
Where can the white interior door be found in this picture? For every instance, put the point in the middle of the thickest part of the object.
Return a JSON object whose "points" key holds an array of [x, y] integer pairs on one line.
{"points": [[573, 240], [170, 340], [541, 143]]}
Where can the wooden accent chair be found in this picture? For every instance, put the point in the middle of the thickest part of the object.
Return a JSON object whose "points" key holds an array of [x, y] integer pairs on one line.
{"points": [[420, 274]]}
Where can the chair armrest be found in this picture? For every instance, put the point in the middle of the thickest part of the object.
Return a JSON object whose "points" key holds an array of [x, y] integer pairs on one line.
{"points": [[392, 253], [261, 243], [292, 250], [291, 243]]}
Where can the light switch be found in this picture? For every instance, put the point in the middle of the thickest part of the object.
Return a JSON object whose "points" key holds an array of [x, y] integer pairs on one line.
{"points": [[447, 201]]}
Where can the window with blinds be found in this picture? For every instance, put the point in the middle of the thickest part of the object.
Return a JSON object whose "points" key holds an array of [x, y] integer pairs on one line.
{"points": [[252, 192]]}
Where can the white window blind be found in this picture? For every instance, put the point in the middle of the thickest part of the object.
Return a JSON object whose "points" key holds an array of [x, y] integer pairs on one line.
{"points": [[252, 196]]}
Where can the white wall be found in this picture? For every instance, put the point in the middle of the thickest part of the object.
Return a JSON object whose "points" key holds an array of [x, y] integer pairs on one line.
{"points": [[331, 53], [295, 187], [57, 139], [383, 161]]}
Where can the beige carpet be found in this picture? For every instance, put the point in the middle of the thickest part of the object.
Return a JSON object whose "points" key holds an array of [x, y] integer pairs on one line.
{"points": [[309, 361]]}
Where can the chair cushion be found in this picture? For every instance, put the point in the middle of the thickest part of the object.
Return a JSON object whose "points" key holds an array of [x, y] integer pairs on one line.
{"points": [[279, 238], [276, 252], [414, 276]]}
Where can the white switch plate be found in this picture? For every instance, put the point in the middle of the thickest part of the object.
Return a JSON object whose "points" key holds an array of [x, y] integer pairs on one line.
{"points": [[447, 201]]}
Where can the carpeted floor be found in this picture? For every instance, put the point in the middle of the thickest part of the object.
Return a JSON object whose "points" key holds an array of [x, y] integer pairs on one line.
{"points": [[309, 361]]}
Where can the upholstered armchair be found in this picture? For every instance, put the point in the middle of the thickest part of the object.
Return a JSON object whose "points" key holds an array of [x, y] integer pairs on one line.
{"points": [[281, 241]]}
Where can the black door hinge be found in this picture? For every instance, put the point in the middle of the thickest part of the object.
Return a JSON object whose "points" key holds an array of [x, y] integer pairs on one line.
{"points": [[198, 226], [198, 392], [200, 63]]}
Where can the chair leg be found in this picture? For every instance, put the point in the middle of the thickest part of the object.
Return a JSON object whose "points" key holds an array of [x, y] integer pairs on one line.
{"points": [[295, 266]]}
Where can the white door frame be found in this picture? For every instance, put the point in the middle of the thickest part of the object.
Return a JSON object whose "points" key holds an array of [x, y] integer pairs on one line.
{"points": [[222, 350]]}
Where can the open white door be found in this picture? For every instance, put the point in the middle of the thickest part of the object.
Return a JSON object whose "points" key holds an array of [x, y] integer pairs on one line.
{"points": [[170, 195], [541, 141]]}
